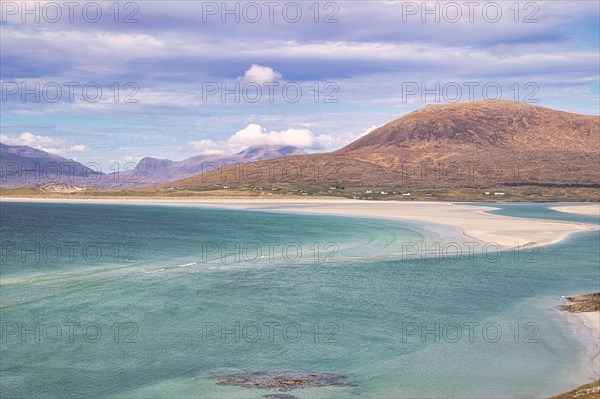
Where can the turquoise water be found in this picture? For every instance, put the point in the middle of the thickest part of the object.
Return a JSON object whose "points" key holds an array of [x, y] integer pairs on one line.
{"points": [[151, 301]]}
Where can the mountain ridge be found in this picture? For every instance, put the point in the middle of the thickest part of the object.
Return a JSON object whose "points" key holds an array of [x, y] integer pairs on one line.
{"points": [[501, 124], [476, 144], [24, 165]]}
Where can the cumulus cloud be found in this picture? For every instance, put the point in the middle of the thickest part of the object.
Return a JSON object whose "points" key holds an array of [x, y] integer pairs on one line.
{"points": [[205, 147], [254, 134], [261, 74], [369, 130], [132, 158], [44, 143]]}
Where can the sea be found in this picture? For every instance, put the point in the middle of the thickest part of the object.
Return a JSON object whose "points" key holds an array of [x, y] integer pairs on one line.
{"points": [[161, 301]]}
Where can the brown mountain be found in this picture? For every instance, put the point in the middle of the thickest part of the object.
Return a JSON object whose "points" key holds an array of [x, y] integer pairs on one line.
{"points": [[477, 144], [483, 125]]}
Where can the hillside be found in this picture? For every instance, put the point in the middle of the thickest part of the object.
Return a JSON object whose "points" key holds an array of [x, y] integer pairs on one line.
{"points": [[483, 125], [478, 144], [23, 165]]}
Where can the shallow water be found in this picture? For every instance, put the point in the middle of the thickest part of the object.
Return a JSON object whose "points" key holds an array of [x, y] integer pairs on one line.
{"points": [[149, 301]]}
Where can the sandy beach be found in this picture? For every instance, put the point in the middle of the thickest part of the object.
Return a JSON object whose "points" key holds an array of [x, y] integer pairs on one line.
{"points": [[593, 319], [589, 209], [472, 219]]}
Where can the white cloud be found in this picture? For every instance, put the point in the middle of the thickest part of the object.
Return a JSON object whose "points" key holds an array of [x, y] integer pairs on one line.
{"points": [[44, 143], [369, 130], [78, 148], [254, 134], [132, 158], [261, 74], [205, 147]]}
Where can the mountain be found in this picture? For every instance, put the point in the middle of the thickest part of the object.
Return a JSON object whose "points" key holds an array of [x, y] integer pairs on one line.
{"points": [[154, 170], [483, 125], [23, 165], [477, 144]]}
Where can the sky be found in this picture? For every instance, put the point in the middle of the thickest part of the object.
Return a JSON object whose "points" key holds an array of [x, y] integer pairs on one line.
{"points": [[112, 82]]}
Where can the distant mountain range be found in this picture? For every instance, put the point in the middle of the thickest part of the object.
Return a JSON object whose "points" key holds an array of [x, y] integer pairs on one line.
{"points": [[477, 144], [23, 165], [154, 170]]}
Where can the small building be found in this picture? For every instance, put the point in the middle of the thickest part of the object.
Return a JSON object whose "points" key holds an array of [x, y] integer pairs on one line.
{"points": [[499, 193]]}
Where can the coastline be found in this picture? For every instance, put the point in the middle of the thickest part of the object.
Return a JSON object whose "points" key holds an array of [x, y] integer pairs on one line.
{"points": [[586, 331], [473, 220], [587, 210], [581, 312], [593, 320]]}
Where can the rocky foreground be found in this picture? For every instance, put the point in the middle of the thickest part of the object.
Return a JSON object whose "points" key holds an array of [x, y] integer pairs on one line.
{"points": [[583, 303]]}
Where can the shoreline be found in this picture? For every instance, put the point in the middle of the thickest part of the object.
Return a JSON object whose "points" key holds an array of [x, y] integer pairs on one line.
{"points": [[587, 306], [583, 313], [592, 319], [585, 330], [586, 210], [474, 220]]}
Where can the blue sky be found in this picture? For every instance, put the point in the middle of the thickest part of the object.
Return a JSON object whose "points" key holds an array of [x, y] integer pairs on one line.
{"points": [[369, 61]]}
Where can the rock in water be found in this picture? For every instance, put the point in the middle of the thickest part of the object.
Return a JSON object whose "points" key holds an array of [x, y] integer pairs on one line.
{"points": [[280, 396], [282, 380]]}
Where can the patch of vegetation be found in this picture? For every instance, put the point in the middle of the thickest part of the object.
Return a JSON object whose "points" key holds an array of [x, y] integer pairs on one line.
{"points": [[588, 391], [305, 191]]}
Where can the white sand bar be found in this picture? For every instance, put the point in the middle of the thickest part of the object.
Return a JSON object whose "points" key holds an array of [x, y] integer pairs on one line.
{"points": [[472, 219], [588, 209]]}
